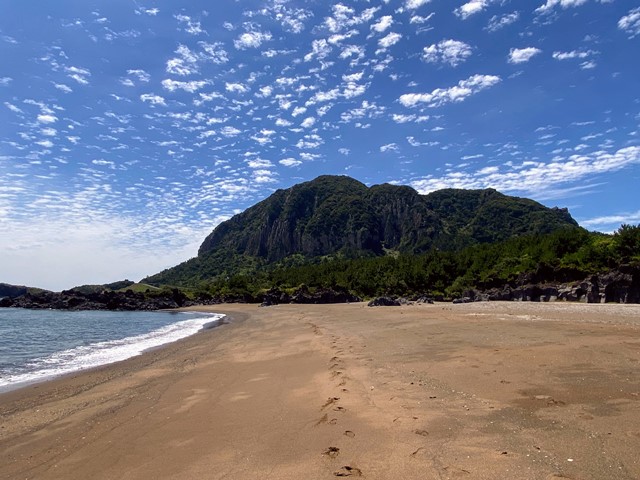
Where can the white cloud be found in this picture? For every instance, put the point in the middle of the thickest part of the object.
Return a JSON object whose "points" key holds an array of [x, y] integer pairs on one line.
{"points": [[153, 99], [281, 122], [522, 55], [5, 81], [353, 77], [458, 93], [185, 64], [191, 87], [449, 51], [290, 162], [141, 75], [62, 87], [613, 220], [320, 49], [214, 52], [78, 74], [190, 26], [104, 163], [308, 122], [60, 260], [551, 4], [259, 163], [298, 111], [47, 118], [471, 8], [236, 87], [45, 143], [630, 23], [498, 22], [264, 176], [389, 40], [12, 107], [323, 97], [400, 118], [229, 131], [390, 147], [383, 24], [578, 54], [413, 4], [251, 40], [148, 11], [345, 17], [534, 177], [572, 54], [265, 91]]}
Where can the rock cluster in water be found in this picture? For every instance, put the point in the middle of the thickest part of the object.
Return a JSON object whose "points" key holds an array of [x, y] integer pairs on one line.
{"points": [[106, 300]]}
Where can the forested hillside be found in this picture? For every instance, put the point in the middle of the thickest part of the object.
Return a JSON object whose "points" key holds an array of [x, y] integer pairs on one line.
{"points": [[340, 218]]}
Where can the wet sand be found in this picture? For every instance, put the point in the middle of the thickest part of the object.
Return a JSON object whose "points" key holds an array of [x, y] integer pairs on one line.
{"points": [[475, 391]]}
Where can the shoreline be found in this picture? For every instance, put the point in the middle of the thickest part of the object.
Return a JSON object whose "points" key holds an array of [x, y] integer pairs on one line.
{"points": [[305, 391], [44, 375]]}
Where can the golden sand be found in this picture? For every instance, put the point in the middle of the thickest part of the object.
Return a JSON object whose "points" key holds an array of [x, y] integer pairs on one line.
{"points": [[475, 391]]}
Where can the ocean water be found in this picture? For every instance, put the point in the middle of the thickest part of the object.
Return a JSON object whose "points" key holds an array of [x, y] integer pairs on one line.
{"points": [[38, 345]]}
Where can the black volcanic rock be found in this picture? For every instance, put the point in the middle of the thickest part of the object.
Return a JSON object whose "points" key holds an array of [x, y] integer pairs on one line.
{"points": [[106, 300], [384, 302]]}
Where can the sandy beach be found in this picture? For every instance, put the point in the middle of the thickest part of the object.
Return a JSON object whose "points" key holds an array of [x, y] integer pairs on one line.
{"points": [[474, 391]]}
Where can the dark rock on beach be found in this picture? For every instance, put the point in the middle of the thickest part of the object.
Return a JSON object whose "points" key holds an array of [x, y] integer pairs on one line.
{"points": [[384, 302]]}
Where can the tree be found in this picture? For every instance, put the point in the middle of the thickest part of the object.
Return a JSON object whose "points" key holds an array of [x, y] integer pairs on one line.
{"points": [[626, 242]]}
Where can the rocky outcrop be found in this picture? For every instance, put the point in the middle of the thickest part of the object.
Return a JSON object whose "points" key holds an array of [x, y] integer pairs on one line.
{"points": [[384, 302], [303, 295], [617, 286], [107, 300]]}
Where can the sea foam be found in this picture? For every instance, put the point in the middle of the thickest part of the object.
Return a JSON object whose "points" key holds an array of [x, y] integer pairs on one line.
{"points": [[102, 353]]}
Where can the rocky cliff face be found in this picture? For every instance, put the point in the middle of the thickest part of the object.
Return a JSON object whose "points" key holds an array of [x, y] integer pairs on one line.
{"points": [[339, 216], [334, 214]]}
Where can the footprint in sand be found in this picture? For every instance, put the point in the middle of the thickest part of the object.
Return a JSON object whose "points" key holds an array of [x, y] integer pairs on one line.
{"points": [[422, 433], [332, 452], [330, 401], [421, 449], [323, 419], [349, 433], [455, 471], [316, 329], [348, 471]]}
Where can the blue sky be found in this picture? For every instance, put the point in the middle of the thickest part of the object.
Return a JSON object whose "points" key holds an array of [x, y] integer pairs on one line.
{"points": [[130, 129]]}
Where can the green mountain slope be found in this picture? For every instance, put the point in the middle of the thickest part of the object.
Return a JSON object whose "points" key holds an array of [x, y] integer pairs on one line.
{"points": [[340, 217]]}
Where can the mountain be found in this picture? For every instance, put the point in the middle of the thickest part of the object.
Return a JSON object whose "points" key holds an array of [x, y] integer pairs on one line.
{"points": [[339, 216]]}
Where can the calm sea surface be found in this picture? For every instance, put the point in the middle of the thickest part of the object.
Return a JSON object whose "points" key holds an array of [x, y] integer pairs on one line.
{"points": [[37, 345]]}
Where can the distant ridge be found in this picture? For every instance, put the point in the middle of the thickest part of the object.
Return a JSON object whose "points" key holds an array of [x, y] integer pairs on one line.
{"points": [[340, 216]]}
